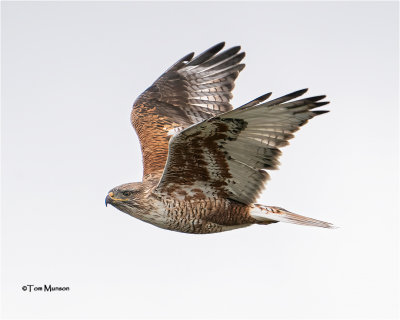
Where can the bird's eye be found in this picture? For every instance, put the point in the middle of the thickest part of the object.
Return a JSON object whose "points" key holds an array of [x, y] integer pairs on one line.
{"points": [[127, 193]]}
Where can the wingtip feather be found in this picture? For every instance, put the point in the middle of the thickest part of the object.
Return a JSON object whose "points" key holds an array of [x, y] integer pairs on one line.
{"points": [[319, 112]]}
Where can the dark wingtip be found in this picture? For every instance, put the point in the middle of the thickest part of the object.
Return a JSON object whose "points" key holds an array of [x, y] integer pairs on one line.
{"points": [[323, 103], [263, 97], [241, 66], [219, 45], [300, 92], [216, 48], [296, 94], [206, 55], [241, 55], [316, 98], [256, 101], [232, 51], [188, 57], [319, 112]]}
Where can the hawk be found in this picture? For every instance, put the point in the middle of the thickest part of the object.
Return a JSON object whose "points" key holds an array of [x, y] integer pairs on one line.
{"points": [[205, 163]]}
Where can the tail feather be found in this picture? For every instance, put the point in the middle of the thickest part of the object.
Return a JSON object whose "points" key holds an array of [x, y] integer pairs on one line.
{"points": [[265, 214]]}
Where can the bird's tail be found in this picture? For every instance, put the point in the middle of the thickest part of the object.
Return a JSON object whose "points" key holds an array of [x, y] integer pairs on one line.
{"points": [[265, 214]]}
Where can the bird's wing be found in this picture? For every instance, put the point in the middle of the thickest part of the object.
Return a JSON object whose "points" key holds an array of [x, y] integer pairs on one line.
{"points": [[190, 91], [227, 156]]}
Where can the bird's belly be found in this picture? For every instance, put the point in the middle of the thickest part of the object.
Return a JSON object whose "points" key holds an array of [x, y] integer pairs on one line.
{"points": [[192, 217], [193, 226], [198, 226]]}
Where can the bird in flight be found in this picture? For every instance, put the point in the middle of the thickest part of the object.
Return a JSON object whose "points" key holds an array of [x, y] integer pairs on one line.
{"points": [[205, 163]]}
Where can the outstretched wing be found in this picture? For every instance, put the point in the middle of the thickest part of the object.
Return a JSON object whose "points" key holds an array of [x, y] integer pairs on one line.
{"points": [[227, 156], [190, 91]]}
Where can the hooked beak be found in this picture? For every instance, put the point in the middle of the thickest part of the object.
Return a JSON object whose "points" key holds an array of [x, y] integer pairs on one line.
{"points": [[109, 198]]}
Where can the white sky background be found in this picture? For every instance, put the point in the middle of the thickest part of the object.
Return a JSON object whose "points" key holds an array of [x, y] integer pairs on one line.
{"points": [[70, 73]]}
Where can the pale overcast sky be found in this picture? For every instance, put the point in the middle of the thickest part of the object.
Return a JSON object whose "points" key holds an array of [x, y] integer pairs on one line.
{"points": [[70, 72]]}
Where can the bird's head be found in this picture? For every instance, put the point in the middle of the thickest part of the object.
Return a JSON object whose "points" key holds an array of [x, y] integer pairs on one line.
{"points": [[126, 197]]}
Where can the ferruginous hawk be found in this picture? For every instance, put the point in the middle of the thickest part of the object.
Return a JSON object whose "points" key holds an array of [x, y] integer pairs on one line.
{"points": [[204, 163]]}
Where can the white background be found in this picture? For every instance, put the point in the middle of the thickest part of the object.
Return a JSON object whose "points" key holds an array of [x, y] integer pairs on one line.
{"points": [[70, 74]]}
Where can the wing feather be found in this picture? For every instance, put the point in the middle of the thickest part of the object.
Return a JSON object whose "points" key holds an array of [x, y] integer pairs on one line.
{"points": [[206, 55], [227, 155], [191, 90], [224, 55]]}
